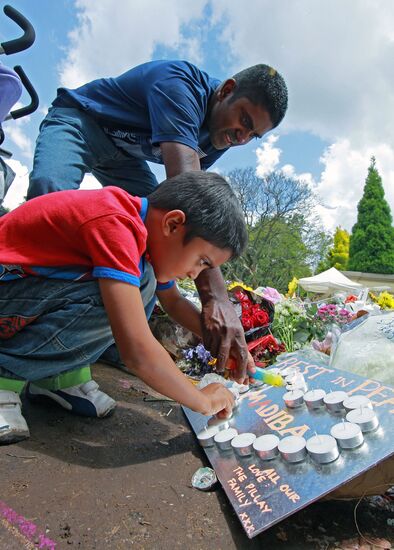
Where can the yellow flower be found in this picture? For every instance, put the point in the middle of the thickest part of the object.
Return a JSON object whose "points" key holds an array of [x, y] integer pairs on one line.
{"points": [[233, 285], [386, 300], [291, 289]]}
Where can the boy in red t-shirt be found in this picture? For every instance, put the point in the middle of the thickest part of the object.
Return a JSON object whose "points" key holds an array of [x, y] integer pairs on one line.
{"points": [[70, 270]]}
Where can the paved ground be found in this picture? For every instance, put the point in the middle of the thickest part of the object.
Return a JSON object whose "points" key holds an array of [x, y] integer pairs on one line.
{"points": [[124, 482]]}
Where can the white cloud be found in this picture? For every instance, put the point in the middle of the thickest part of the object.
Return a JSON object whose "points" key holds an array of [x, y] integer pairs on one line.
{"points": [[268, 156], [90, 182], [342, 180], [336, 57], [18, 189], [14, 131], [111, 36]]}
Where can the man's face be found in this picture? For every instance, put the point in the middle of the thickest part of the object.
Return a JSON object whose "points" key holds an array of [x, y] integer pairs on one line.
{"points": [[235, 122]]}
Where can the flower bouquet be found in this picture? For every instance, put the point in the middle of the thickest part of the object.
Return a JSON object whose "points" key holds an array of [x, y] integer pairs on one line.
{"points": [[265, 349], [197, 361], [256, 313]]}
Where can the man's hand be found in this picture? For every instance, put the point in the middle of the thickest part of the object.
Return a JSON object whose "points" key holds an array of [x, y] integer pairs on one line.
{"points": [[223, 336], [219, 399]]}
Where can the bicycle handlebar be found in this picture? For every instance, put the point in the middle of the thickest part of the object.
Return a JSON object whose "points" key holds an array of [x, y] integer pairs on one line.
{"points": [[24, 41], [23, 111]]}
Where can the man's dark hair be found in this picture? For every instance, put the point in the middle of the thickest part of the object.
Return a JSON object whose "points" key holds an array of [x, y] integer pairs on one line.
{"points": [[263, 86], [212, 210]]}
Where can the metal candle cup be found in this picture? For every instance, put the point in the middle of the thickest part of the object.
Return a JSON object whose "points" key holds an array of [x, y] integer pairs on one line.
{"points": [[314, 398], [221, 423], [266, 446], [293, 398], [224, 437], [296, 382], [348, 435], [334, 400], [364, 417], [289, 371], [292, 448], [322, 448], [243, 444], [205, 437], [357, 401]]}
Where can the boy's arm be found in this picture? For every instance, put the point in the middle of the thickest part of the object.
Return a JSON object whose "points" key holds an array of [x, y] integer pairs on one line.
{"points": [[181, 310], [145, 357]]}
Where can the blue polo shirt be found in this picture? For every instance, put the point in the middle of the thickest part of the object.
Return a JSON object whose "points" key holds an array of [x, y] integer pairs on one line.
{"points": [[158, 101]]}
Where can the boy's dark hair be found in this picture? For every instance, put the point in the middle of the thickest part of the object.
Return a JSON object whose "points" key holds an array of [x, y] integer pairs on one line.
{"points": [[212, 210], [263, 86]]}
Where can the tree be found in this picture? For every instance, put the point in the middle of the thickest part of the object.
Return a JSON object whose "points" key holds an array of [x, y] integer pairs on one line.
{"points": [[285, 239], [338, 254], [372, 239]]}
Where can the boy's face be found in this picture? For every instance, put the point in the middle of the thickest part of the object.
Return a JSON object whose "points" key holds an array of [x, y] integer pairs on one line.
{"points": [[177, 260]]}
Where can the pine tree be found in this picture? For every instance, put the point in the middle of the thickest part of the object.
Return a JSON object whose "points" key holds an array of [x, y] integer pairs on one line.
{"points": [[338, 254], [372, 239]]}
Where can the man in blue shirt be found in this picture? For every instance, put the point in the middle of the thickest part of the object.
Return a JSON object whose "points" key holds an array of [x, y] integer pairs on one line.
{"points": [[168, 112]]}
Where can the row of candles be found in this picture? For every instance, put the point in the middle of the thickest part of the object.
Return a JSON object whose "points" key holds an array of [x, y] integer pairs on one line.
{"points": [[322, 448]]}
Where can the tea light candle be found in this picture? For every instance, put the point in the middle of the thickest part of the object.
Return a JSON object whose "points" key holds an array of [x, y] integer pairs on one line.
{"points": [[314, 398], [357, 401], [348, 435], [292, 448], [364, 417], [266, 446], [289, 371], [296, 382], [243, 444], [221, 423], [322, 448], [224, 437], [293, 398], [334, 400], [205, 437]]}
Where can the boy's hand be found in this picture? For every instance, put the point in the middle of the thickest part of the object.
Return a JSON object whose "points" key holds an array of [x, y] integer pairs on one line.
{"points": [[219, 400]]}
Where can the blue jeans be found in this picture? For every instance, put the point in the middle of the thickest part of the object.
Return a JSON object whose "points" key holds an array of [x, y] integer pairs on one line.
{"points": [[64, 326], [70, 144]]}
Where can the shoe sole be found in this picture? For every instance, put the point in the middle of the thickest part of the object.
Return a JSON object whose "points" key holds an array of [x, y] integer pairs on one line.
{"points": [[81, 407]]}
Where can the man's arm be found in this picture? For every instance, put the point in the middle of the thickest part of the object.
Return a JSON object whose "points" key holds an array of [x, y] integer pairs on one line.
{"points": [[222, 331], [179, 158], [144, 356], [181, 310]]}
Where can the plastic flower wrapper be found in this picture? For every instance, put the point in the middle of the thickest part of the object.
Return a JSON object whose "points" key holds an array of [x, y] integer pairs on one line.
{"points": [[269, 293], [255, 312]]}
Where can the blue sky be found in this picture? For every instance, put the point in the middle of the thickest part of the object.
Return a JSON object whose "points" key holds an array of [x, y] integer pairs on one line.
{"points": [[335, 56]]}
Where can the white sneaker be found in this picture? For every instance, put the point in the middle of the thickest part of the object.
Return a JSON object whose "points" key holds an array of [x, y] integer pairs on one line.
{"points": [[13, 426], [84, 399]]}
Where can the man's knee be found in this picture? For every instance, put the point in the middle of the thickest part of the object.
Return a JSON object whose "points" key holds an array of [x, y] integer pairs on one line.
{"points": [[43, 184]]}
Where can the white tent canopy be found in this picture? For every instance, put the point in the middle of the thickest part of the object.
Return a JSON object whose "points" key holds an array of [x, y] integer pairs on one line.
{"points": [[331, 280]]}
